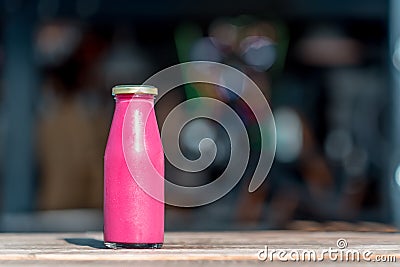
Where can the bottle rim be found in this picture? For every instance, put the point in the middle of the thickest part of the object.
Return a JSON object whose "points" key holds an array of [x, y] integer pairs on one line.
{"points": [[134, 89]]}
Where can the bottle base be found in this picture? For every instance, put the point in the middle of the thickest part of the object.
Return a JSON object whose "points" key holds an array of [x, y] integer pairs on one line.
{"points": [[115, 245]]}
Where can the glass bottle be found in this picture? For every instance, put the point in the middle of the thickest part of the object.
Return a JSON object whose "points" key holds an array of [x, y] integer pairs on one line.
{"points": [[133, 172]]}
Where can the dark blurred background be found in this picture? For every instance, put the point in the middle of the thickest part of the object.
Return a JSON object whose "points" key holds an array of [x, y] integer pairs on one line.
{"points": [[330, 70]]}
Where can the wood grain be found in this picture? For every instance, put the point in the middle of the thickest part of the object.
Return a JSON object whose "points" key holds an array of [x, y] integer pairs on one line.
{"points": [[185, 248]]}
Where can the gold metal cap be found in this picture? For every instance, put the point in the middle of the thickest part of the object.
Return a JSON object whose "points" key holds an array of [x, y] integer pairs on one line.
{"points": [[134, 89]]}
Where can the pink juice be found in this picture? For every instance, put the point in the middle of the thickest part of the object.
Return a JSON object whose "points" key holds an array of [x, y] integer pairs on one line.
{"points": [[133, 172]]}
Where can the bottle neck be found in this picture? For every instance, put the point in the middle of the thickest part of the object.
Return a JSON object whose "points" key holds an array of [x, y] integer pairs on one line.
{"points": [[131, 97]]}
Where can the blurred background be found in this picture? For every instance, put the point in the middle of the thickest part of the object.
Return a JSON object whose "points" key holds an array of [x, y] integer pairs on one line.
{"points": [[329, 69]]}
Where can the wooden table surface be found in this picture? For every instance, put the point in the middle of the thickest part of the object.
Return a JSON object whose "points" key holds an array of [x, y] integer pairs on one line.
{"points": [[196, 249]]}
